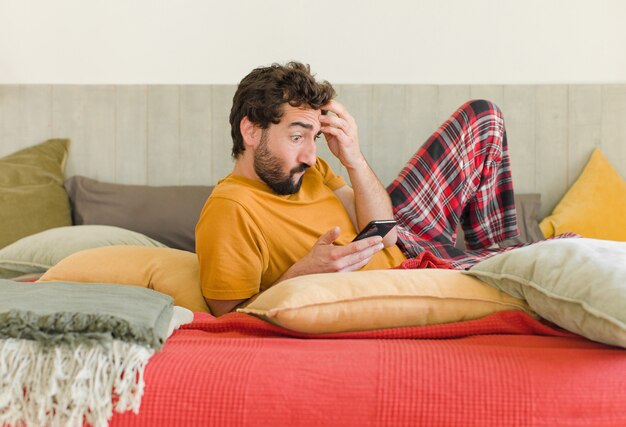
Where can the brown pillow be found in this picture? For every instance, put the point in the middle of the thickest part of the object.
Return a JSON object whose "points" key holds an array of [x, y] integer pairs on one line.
{"points": [[527, 206], [166, 214], [32, 197]]}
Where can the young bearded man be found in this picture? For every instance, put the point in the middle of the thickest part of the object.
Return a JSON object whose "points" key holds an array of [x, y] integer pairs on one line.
{"points": [[283, 212]]}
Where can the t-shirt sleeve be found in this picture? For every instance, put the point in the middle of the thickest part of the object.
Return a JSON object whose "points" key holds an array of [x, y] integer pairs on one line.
{"points": [[231, 251], [331, 179]]}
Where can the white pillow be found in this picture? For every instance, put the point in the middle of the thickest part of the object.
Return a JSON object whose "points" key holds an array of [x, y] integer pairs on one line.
{"points": [[579, 284], [180, 316], [38, 252]]}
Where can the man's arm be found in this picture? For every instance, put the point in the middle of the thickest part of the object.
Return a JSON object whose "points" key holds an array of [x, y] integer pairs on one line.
{"points": [[229, 258], [367, 200], [324, 257], [220, 307]]}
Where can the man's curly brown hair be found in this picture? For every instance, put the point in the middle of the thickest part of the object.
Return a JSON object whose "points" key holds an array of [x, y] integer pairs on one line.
{"points": [[261, 94]]}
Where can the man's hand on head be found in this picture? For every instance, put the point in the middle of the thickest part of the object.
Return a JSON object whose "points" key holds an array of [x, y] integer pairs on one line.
{"points": [[326, 257], [342, 135]]}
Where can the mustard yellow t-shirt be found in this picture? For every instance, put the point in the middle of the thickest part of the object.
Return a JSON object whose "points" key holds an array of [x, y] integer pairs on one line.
{"points": [[248, 236]]}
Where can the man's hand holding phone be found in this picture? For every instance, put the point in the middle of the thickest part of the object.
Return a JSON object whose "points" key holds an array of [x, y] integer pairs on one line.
{"points": [[326, 257]]}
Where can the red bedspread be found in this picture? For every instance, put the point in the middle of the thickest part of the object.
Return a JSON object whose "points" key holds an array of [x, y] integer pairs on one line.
{"points": [[504, 370]]}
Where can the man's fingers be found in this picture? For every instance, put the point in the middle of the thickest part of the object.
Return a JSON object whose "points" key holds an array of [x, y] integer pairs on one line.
{"points": [[357, 266], [358, 253], [336, 122], [349, 257], [362, 244], [329, 130], [341, 111], [329, 237], [336, 107], [360, 259]]}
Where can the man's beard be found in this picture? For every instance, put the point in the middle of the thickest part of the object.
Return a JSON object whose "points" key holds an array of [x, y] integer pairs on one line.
{"points": [[269, 169]]}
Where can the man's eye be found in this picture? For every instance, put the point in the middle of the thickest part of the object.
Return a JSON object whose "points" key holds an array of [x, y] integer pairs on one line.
{"points": [[296, 138]]}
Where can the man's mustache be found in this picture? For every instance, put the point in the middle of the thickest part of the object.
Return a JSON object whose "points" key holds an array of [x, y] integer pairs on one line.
{"points": [[301, 168]]}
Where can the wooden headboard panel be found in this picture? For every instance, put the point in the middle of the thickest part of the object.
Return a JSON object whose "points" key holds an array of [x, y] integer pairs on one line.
{"points": [[169, 135]]}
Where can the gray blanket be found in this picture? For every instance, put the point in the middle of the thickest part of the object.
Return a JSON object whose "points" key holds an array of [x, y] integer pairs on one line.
{"points": [[72, 353], [57, 312]]}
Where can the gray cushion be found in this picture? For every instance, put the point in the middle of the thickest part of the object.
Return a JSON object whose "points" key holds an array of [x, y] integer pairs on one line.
{"points": [[527, 206], [576, 283], [166, 214]]}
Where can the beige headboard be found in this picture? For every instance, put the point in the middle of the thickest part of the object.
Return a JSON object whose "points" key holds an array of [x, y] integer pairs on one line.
{"points": [[171, 135]]}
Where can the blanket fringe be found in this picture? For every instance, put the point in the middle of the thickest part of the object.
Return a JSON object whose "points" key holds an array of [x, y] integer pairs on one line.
{"points": [[68, 385]]}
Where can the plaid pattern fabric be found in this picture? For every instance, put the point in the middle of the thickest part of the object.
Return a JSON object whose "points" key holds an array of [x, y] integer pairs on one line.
{"points": [[460, 175]]}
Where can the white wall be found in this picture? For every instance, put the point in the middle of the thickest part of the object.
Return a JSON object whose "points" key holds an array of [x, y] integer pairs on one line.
{"points": [[346, 41]]}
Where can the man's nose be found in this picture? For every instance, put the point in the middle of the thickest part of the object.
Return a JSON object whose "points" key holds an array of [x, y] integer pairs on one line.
{"points": [[308, 154]]}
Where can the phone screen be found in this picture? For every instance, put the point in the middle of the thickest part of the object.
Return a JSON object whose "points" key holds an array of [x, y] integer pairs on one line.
{"points": [[376, 228]]}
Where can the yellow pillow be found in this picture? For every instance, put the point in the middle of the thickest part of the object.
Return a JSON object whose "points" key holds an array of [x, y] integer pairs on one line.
{"points": [[595, 205], [375, 299], [170, 271]]}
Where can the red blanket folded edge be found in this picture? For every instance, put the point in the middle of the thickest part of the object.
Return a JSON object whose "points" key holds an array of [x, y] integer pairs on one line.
{"points": [[504, 322], [425, 260]]}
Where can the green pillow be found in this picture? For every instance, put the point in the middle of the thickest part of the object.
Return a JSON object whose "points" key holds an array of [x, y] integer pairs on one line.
{"points": [[38, 252], [32, 195], [578, 284]]}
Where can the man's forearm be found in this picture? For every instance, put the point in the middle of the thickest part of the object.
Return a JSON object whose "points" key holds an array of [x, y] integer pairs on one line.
{"points": [[370, 199]]}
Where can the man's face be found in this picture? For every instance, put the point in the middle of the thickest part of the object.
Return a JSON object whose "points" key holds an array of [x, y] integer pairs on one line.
{"points": [[287, 150]]}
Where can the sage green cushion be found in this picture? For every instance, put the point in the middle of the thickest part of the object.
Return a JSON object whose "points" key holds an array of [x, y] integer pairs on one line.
{"points": [[578, 284], [38, 252], [32, 195]]}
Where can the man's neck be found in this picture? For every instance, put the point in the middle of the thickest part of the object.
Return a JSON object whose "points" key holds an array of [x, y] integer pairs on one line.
{"points": [[244, 166]]}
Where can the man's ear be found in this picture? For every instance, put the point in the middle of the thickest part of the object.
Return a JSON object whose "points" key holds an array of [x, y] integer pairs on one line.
{"points": [[251, 132]]}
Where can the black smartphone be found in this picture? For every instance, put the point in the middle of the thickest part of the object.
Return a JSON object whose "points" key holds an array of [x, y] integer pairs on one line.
{"points": [[379, 227]]}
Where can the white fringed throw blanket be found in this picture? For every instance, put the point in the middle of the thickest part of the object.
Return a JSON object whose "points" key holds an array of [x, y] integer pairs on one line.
{"points": [[72, 353]]}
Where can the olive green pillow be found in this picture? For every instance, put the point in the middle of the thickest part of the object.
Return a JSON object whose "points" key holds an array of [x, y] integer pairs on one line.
{"points": [[32, 195]]}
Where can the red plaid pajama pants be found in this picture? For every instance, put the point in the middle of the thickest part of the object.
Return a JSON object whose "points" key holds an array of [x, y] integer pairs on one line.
{"points": [[460, 175]]}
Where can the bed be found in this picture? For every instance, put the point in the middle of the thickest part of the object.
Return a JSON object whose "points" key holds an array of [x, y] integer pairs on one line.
{"points": [[488, 349], [506, 369]]}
